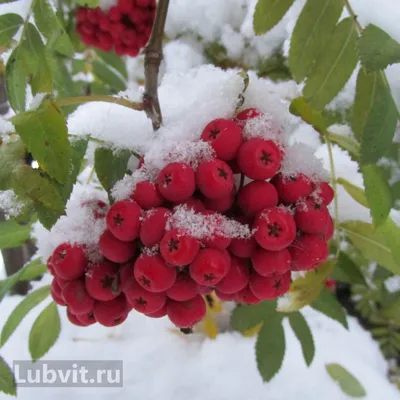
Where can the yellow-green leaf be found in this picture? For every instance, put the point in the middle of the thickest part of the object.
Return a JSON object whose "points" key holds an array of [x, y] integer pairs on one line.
{"points": [[16, 79], [354, 191], [13, 234], [302, 109], [391, 233], [268, 13], [9, 25], [7, 380], [347, 382]]}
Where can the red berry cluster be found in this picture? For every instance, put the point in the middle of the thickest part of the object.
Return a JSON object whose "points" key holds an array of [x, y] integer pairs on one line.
{"points": [[124, 28], [159, 267]]}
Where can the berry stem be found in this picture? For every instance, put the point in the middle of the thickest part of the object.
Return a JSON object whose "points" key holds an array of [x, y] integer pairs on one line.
{"points": [[152, 59], [353, 15], [67, 101]]}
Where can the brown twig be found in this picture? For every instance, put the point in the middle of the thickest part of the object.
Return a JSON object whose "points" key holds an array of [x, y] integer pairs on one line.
{"points": [[152, 60]]}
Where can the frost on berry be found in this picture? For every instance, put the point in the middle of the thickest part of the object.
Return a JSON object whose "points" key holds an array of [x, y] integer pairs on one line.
{"points": [[323, 193], [185, 314], [292, 188]]}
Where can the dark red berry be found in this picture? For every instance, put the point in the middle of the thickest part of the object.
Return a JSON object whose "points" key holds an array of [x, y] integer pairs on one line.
{"points": [[204, 290], [330, 284], [116, 250], [152, 229], [256, 196], [183, 289], [259, 159], [275, 229], [224, 136], [324, 193], [101, 281], [111, 313], [292, 189], [185, 314], [193, 204], [243, 247], [125, 276], [178, 247], [56, 293], [153, 274], [76, 296], [162, 312], [147, 195], [270, 287], [73, 319], [268, 263], [86, 319], [69, 261], [247, 296], [226, 296], [220, 205], [176, 182], [312, 217], [237, 277]]}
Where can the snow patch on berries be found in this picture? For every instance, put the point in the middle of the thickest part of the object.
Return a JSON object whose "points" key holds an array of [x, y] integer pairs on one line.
{"points": [[124, 188], [300, 158]]}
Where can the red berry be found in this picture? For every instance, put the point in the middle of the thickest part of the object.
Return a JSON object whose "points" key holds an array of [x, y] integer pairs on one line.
{"points": [[293, 188], [209, 267], [225, 296], [77, 297], [61, 282], [268, 263], [116, 250], [275, 229], [329, 230], [50, 266], [245, 115], [102, 281], [184, 314], [216, 240], [125, 276], [81, 14], [86, 319], [237, 277], [243, 248], [220, 205], [256, 196], [183, 289], [224, 136], [123, 220], [214, 179], [324, 193], [73, 319], [176, 182], [308, 251], [111, 313], [179, 248], [153, 274], [311, 217], [56, 293], [259, 159], [330, 284], [270, 287], [152, 229], [98, 207], [162, 312], [193, 204], [144, 301], [247, 296], [69, 261], [147, 195]]}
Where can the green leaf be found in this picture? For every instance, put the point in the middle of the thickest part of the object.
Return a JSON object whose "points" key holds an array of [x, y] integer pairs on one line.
{"points": [[354, 191], [377, 49], [311, 33], [13, 234], [391, 232], [42, 81], [9, 25], [32, 183], [11, 156], [45, 331], [115, 61], [88, 3], [46, 216], [270, 348], [328, 305], [106, 75], [371, 243], [7, 380], [347, 382], [44, 132], [34, 48], [374, 116], [50, 26], [304, 336], [377, 191], [62, 80], [302, 109], [346, 143], [16, 79], [305, 290], [347, 271], [110, 166], [268, 13], [22, 309], [245, 317], [333, 67]]}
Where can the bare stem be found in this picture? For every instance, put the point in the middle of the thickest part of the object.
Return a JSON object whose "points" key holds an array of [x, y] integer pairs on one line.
{"points": [[67, 101], [353, 15], [153, 56]]}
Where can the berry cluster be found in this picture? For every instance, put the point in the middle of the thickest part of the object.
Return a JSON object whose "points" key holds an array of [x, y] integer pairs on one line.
{"points": [[233, 223], [124, 28]]}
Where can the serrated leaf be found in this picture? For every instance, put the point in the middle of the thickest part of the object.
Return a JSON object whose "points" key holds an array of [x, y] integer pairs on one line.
{"points": [[46, 216], [50, 26], [44, 132], [270, 348], [246, 317], [327, 304], [34, 48], [374, 116], [377, 191], [305, 290], [31, 183], [11, 155], [7, 380], [347, 382], [268, 13], [304, 336], [333, 67], [16, 79], [113, 60], [106, 75], [9, 25], [346, 270], [311, 33], [18, 314], [12, 234], [45, 331], [377, 49], [302, 109], [354, 191], [391, 233], [371, 243], [110, 166]]}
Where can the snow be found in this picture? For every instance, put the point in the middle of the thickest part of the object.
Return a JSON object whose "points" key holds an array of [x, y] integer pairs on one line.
{"points": [[10, 204]]}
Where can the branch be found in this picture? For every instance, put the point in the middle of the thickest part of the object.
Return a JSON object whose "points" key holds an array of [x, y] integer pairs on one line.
{"points": [[152, 60], [67, 101], [353, 15]]}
